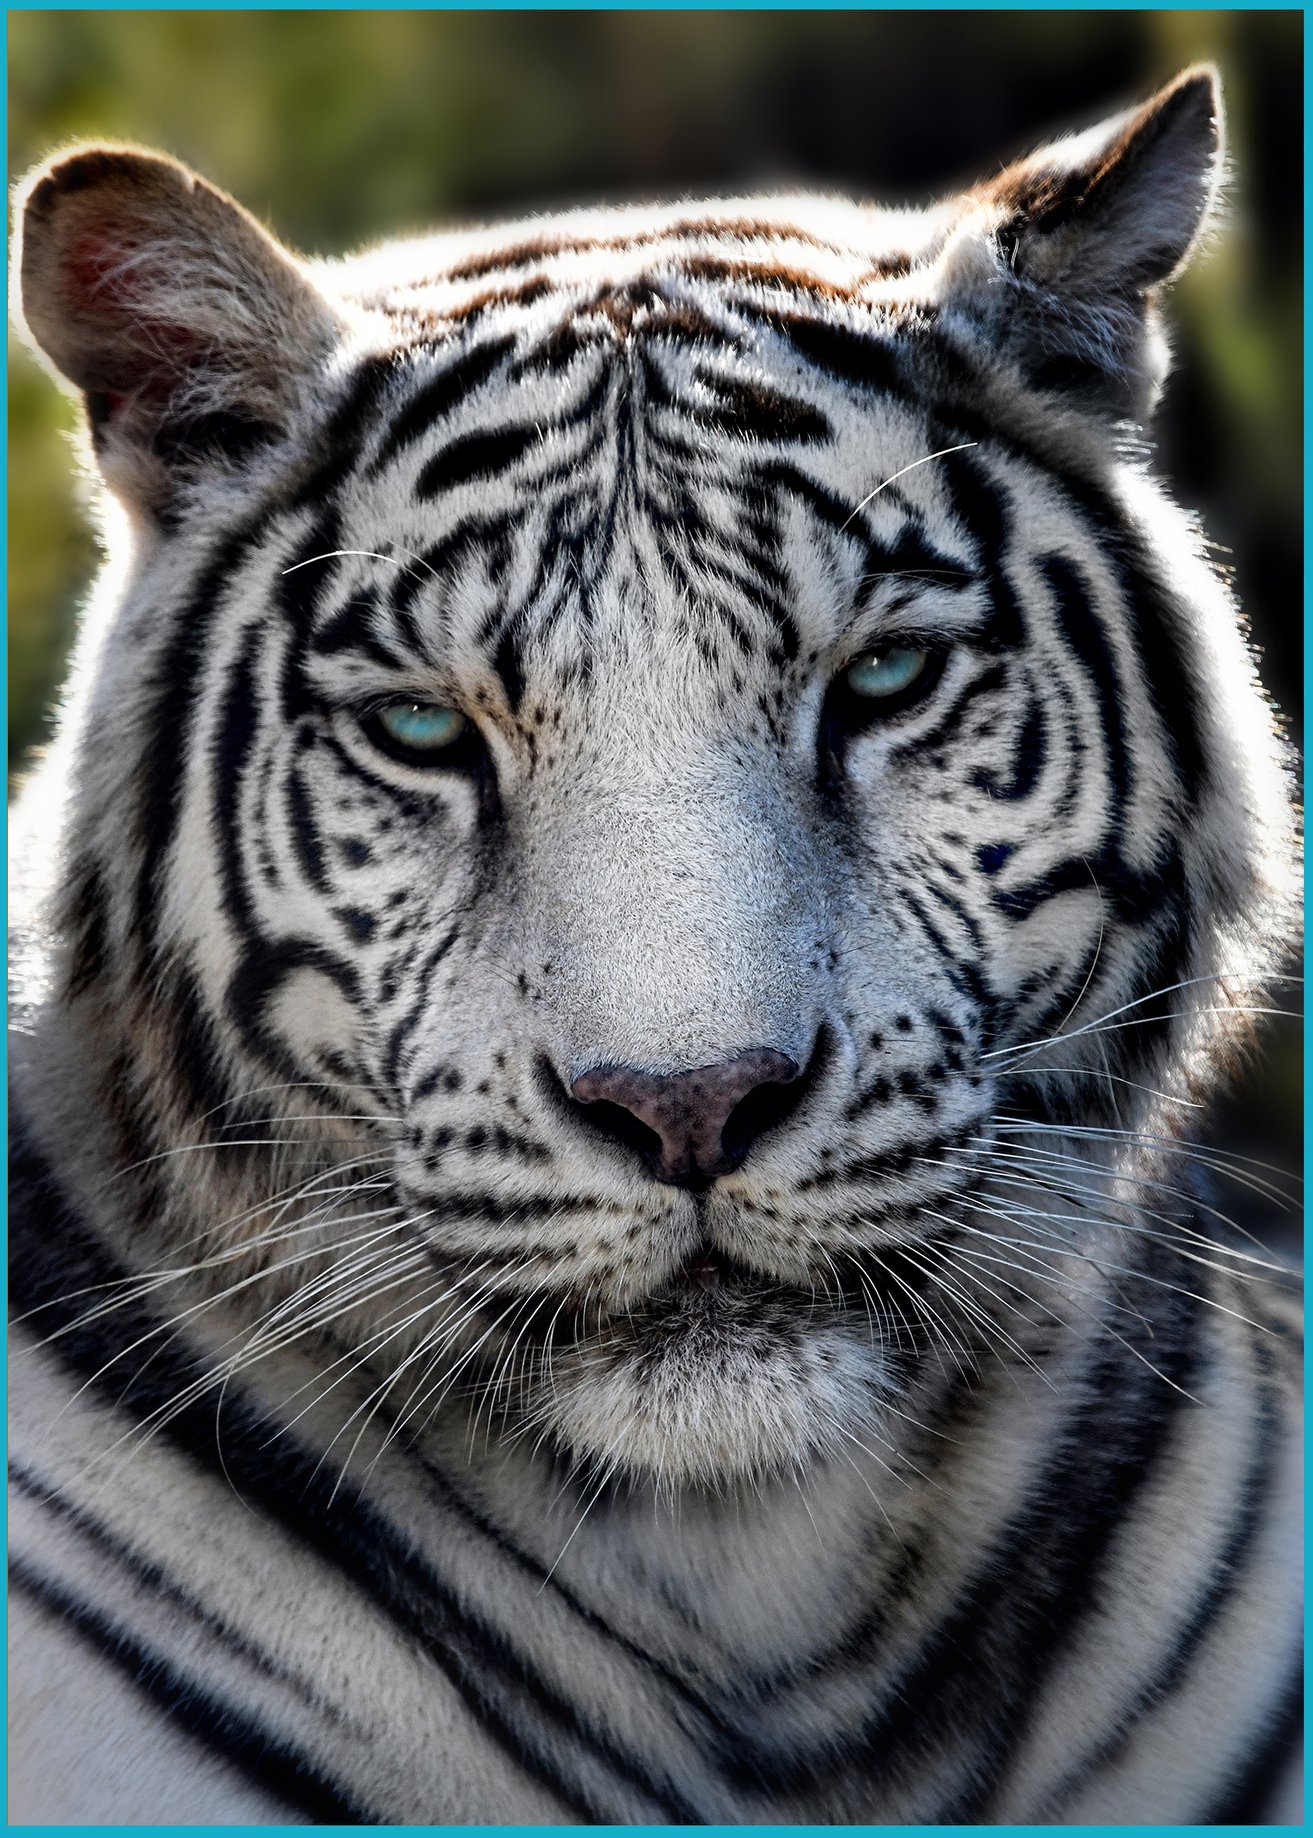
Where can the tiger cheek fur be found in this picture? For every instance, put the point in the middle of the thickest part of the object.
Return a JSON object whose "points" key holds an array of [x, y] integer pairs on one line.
{"points": [[644, 852]]}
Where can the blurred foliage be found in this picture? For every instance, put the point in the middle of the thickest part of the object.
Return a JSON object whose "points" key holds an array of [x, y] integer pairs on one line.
{"points": [[339, 127]]}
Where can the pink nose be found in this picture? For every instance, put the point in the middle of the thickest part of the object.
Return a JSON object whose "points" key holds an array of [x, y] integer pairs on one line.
{"points": [[685, 1114]]}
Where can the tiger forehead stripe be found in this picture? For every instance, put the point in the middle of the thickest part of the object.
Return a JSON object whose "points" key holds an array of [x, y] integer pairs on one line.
{"points": [[655, 863], [523, 255]]}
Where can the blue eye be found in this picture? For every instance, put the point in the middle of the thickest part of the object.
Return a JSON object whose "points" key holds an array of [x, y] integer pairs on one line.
{"points": [[886, 683], [418, 733], [888, 672], [423, 725]]}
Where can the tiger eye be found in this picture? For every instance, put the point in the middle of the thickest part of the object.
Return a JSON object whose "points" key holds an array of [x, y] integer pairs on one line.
{"points": [[422, 727], [888, 671]]}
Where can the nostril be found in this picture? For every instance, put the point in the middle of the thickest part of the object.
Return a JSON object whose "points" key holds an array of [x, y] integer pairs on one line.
{"points": [[752, 1116], [767, 1106], [612, 1121], [621, 1126]]}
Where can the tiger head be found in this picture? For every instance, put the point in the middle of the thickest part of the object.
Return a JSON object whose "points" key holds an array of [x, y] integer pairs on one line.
{"points": [[657, 742]]}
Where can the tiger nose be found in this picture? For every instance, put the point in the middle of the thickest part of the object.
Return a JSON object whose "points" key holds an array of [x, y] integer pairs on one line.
{"points": [[688, 1127]]}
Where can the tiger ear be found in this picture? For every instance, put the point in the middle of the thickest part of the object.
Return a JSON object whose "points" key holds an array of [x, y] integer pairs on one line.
{"points": [[1090, 227], [189, 330]]}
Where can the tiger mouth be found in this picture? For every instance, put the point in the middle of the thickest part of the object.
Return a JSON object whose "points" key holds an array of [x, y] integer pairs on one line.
{"points": [[708, 1269], [710, 1287], [706, 1288]]}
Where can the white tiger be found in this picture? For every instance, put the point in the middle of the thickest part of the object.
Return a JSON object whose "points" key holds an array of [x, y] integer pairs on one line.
{"points": [[658, 825]]}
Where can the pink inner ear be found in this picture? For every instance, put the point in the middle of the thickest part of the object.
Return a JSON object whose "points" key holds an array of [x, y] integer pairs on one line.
{"points": [[90, 266], [106, 287]]}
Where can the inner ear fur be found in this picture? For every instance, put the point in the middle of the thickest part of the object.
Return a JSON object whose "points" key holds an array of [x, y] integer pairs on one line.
{"points": [[1089, 229], [182, 321]]}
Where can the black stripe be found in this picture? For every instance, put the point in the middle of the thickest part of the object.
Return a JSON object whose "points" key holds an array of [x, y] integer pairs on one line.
{"points": [[1028, 757], [353, 627], [1226, 1575], [669, 242], [898, 1159], [87, 908], [1082, 633], [173, 687], [960, 911], [274, 1766], [956, 968], [338, 447], [477, 534], [982, 504], [858, 357], [1051, 1571], [144, 1572], [1137, 899], [474, 456], [401, 1031], [1010, 1620], [761, 596], [1158, 633], [184, 440], [1156, 627], [304, 831], [260, 972], [554, 542], [756, 411], [911, 551], [174, 691], [546, 1579], [310, 571], [195, 1051], [509, 666], [231, 747], [949, 724], [438, 397], [1248, 1801], [478, 455]]}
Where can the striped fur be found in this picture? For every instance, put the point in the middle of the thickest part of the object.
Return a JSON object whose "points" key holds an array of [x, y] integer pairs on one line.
{"points": [[390, 1446]]}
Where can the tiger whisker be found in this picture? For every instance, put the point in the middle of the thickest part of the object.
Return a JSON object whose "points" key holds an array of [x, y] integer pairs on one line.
{"points": [[1049, 1163], [1153, 995], [1062, 1248], [196, 1148], [884, 484], [427, 1384], [970, 1306], [332, 555], [1112, 1078], [1236, 1168], [924, 1307], [1171, 1237], [256, 1346], [1173, 1014], [171, 1325]]}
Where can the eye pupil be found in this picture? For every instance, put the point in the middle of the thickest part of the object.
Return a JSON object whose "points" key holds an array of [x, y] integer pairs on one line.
{"points": [[887, 672]]}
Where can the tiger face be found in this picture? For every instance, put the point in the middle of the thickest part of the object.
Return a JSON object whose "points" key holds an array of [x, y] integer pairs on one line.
{"points": [[660, 738], [687, 929]]}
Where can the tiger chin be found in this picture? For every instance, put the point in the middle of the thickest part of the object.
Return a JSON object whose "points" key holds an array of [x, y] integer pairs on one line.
{"points": [[660, 841], [715, 1386]]}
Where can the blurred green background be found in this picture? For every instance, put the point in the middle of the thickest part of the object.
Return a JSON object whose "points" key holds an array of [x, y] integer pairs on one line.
{"points": [[341, 127]]}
